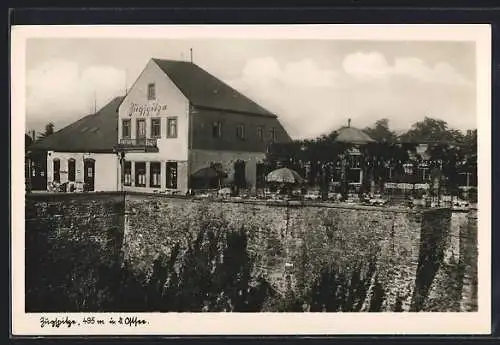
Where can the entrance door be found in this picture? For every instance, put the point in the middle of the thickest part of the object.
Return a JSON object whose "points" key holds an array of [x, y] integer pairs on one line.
{"points": [[39, 171], [239, 174], [89, 175]]}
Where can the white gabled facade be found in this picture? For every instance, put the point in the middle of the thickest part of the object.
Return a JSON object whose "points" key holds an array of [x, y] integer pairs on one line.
{"points": [[154, 109]]}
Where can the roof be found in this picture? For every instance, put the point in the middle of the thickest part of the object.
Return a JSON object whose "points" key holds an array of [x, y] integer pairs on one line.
{"points": [[92, 133], [353, 135], [205, 90], [428, 142]]}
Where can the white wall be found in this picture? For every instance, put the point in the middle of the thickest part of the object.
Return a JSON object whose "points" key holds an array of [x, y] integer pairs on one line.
{"points": [[106, 168], [182, 174], [176, 105]]}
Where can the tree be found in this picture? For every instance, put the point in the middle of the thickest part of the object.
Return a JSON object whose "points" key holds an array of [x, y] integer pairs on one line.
{"points": [[27, 140], [212, 273], [49, 130], [431, 130], [447, 158], [381, 132], [469, 146], [377, 158], [346, 290]]}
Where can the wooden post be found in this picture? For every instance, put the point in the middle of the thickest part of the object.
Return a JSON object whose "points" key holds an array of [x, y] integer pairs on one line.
{"points": [[122, 172]]}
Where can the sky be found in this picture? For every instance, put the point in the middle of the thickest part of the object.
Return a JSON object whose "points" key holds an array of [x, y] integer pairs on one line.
{"points": [[314, 86]]}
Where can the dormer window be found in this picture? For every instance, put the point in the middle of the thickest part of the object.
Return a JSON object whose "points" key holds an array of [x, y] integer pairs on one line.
{"points": [[151, 92]]}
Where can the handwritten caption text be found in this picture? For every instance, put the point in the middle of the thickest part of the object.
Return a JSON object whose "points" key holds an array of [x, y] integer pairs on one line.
{"points": [[59, 322]]}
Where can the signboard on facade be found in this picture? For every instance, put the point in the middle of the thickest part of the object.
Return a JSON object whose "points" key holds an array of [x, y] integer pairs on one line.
{"points": [[154, 109], [407, 186]]}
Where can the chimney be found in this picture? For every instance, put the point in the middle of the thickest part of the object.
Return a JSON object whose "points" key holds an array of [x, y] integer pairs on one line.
{"points": [[348, 122]]}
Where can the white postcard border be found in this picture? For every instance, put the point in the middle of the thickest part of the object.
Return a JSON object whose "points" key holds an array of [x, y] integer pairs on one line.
{"points": [[261, 323]]}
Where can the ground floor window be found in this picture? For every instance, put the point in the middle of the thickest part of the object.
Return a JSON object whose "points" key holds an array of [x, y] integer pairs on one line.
{"points": [[127, 174], [171, 175], [423, 173], [354, 175], [467, 179], [154, 174], [71, 170], [57, 170], [140, 174]]}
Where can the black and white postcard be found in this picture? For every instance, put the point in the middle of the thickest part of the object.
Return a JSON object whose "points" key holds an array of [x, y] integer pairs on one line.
{"points": [[251, 180]]}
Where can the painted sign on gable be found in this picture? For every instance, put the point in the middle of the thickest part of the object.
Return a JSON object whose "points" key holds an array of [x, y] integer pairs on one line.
{"points": [[147, 109]]}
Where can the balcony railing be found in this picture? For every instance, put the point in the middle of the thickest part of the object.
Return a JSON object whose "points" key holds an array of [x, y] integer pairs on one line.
{"points": [[139, 144]]}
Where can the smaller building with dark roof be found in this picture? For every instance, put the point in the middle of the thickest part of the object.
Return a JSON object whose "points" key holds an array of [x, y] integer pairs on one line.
{"points": [[81, 155]]}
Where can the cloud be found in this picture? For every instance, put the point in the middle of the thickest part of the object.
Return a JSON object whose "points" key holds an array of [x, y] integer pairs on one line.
{"points": [[60, 89], [304, 73], [366, 65], [300, 92], [374, 65], [311, 101]]}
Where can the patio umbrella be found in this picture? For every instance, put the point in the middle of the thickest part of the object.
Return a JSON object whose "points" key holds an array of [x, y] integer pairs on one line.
{"points": [[284, 175]]}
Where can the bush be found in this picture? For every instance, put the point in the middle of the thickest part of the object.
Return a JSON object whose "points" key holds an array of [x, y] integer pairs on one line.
{"points": [[340, 290], [212, 274]]}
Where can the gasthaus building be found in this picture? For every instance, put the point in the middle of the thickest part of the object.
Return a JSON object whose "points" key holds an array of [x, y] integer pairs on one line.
{"points": [[178, 120], [80, 156]]}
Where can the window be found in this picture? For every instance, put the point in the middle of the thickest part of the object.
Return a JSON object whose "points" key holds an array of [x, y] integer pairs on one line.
{"points": [[140, 174], [423, 173], [127, 173], [154, 174], [126, 129], [57, 170], [354, 169], [71, 170], [467, 179], [155, 128], [217, 129], [240, 132], [141, 128], [151, 92], [408, 168], [172, 127], [473, 179], [260, 133], [354, 175], [171, 174], [272, 135]]}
